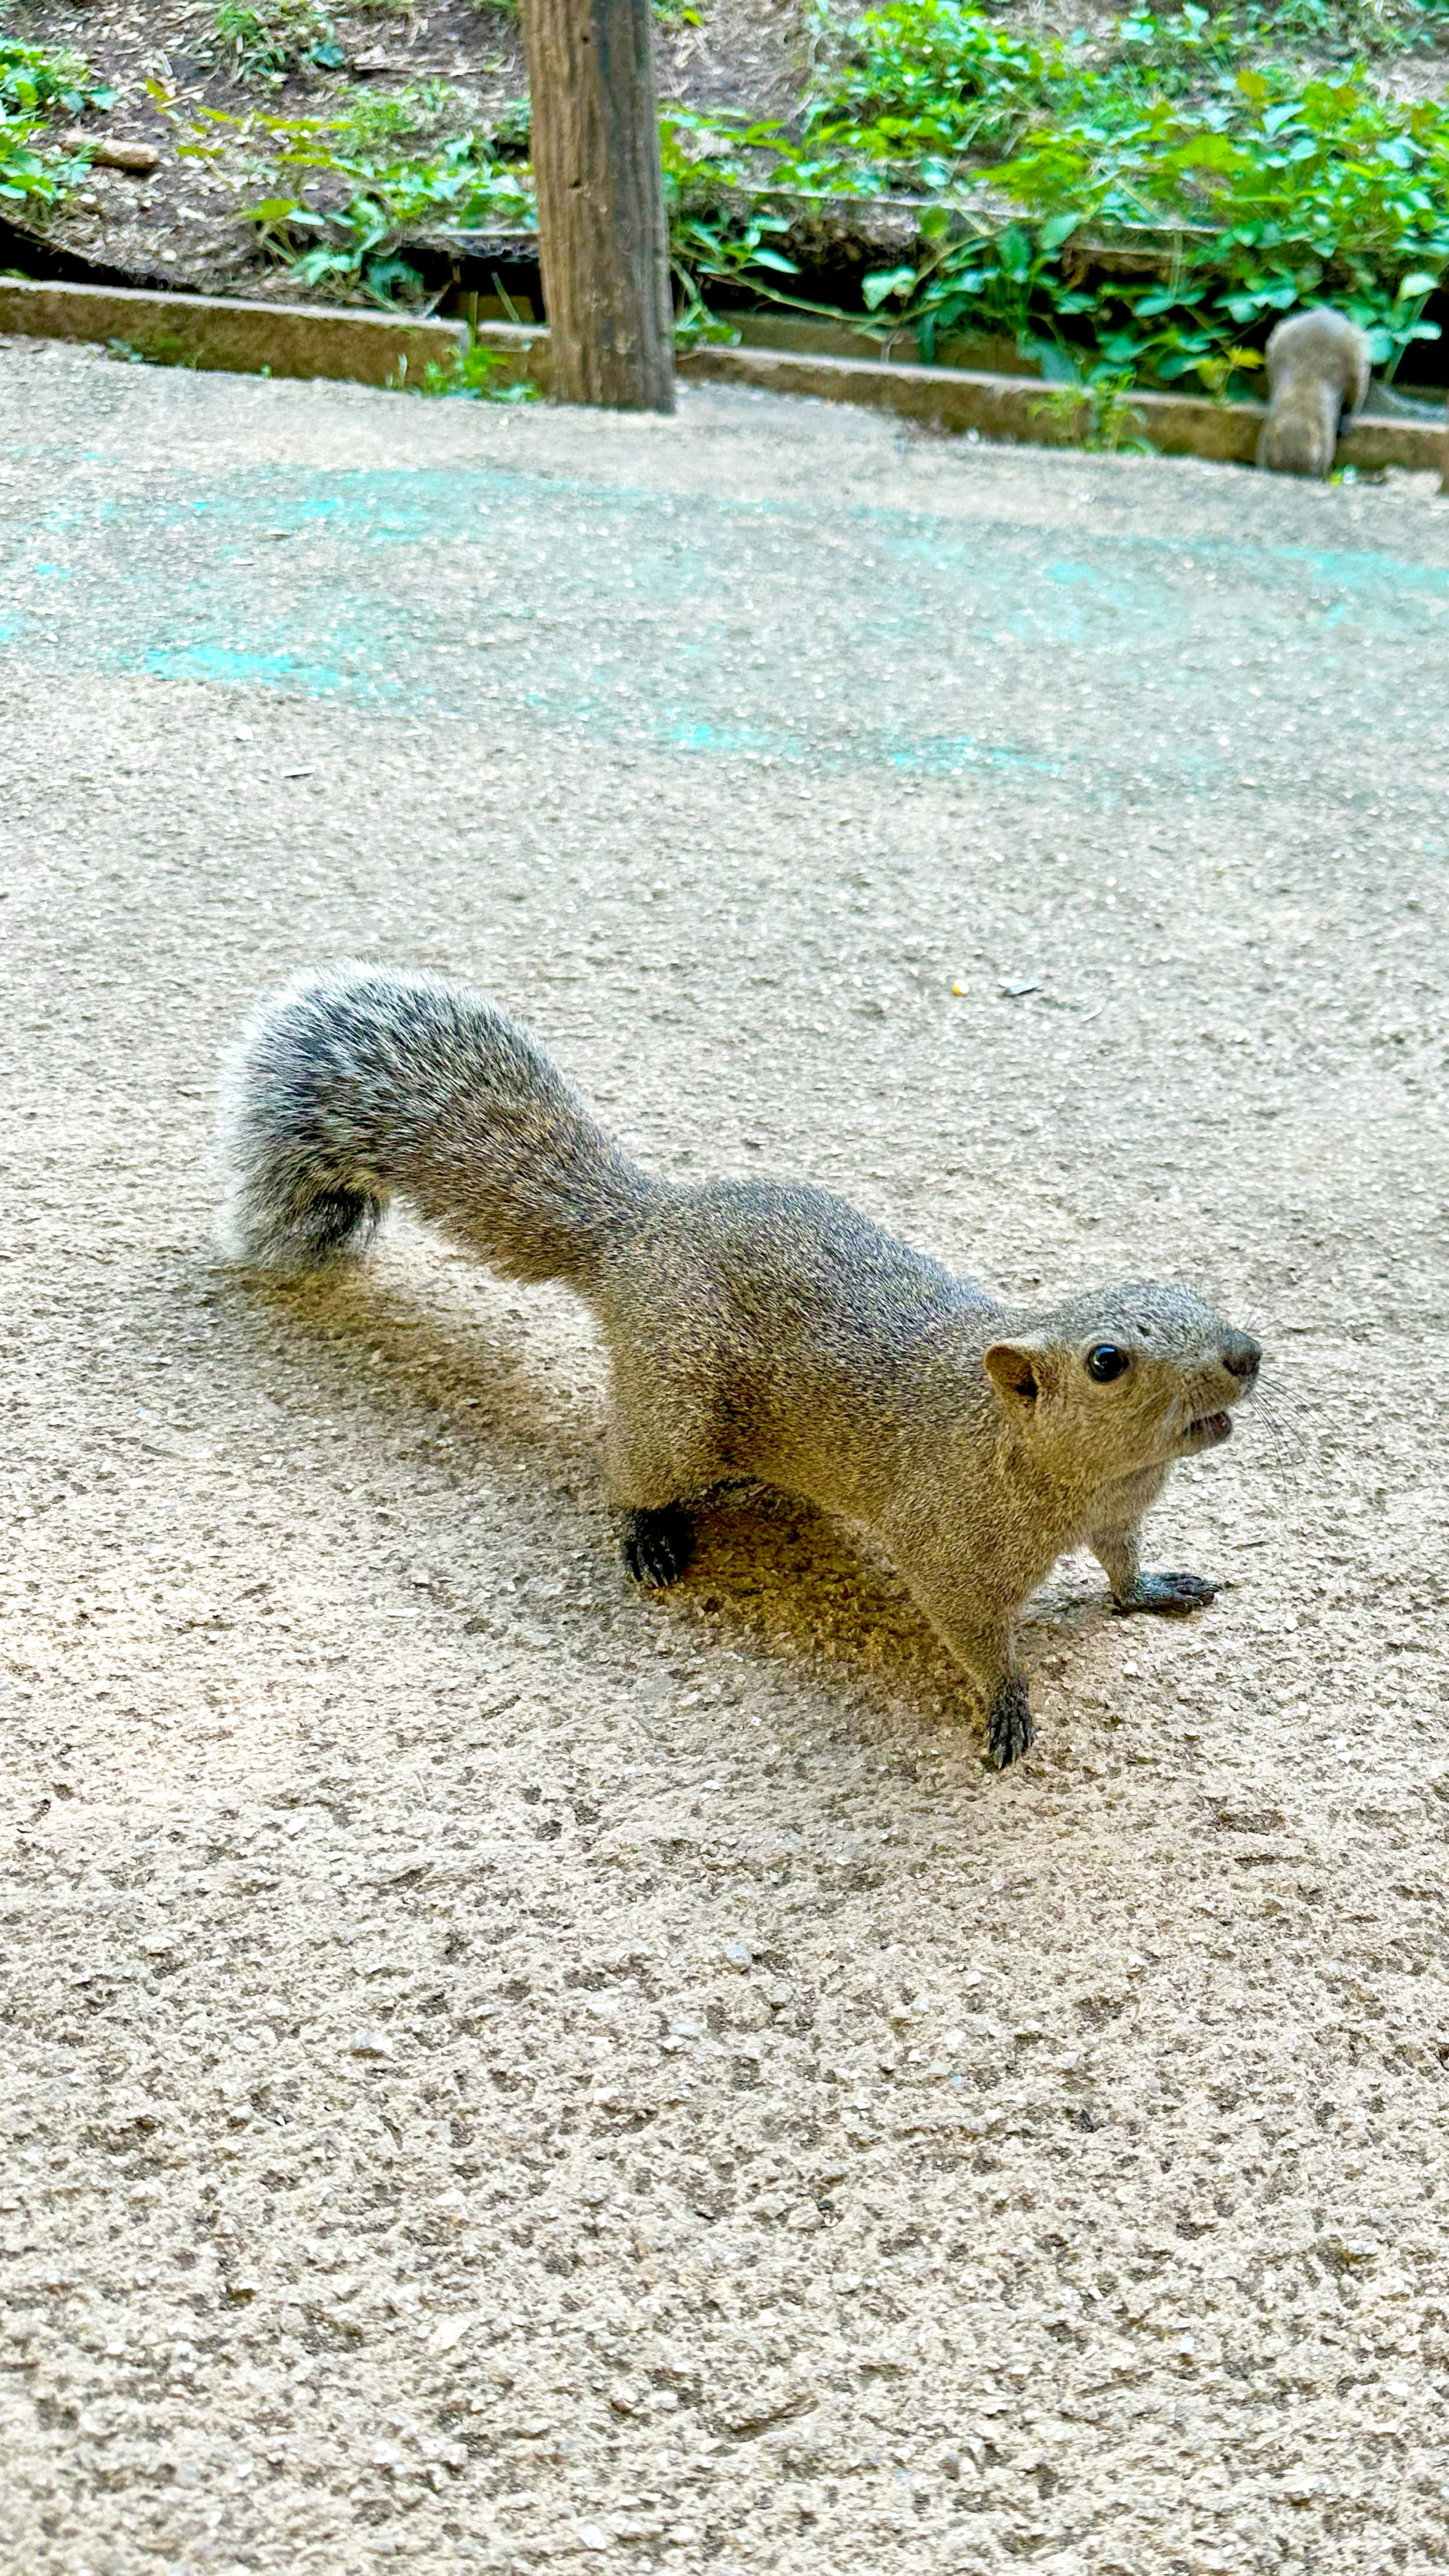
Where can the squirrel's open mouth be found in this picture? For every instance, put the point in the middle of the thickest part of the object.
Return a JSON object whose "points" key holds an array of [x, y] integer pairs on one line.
{"points": [[1207, 1431]]}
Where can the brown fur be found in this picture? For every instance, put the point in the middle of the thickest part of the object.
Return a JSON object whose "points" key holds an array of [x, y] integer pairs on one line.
{"points": [[755, 1329], [1318, 377]]}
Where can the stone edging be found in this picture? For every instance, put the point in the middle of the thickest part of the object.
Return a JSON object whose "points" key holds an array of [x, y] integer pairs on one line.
{"points": [[226, 332], [1018, 408]]}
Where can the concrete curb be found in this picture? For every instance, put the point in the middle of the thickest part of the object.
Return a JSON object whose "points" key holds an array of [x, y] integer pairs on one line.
{"points": [[219, 331], [225, 332], [1016, 408]]}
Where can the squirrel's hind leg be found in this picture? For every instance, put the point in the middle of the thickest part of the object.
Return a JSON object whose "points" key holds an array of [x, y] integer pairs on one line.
{"points": [[656, 1546], [661, 1456]]}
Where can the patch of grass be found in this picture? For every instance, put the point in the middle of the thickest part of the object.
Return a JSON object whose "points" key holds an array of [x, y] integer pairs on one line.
{"points": [[364, 118], [1098, 410], [474, 374], [269, 38]]}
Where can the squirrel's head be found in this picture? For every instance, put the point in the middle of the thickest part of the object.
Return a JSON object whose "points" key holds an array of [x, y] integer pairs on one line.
{"points": [[1124, 1379]]}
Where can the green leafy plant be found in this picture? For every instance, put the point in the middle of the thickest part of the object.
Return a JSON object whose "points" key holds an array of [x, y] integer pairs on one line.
{"points": [[474, 374], [1137, 203], [1253, 186], [920, 84], [29, 178], [37, 81], [463, 187], [512, 129], [337, 218], [719, 233], [1331, 190], [1098, 411]]}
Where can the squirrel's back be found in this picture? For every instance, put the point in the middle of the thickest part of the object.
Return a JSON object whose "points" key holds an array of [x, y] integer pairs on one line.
{"points": [[1318, 377], [353, 1082]]}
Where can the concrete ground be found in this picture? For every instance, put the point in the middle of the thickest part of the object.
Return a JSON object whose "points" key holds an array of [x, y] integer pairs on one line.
{"points": [[501, 2072]]}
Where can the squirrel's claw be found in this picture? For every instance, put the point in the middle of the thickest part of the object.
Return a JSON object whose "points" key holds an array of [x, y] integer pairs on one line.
{"points": [[1009, 1727], [1172, 1595], [657, 1546]]}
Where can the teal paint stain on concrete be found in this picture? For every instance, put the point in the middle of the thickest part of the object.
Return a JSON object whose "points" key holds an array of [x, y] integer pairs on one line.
{"points": [[1384, 576], [246, 666], [709, 626], [940, 759]]}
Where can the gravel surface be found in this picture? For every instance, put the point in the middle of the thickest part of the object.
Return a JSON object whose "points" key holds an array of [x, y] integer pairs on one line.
{"points": [[499, 2071]]}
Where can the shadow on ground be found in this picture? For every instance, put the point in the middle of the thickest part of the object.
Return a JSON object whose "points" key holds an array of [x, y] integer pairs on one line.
{"points": [[777, 1574]]}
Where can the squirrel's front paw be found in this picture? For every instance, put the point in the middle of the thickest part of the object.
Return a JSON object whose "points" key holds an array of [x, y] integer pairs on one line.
{"points": [[1174, 1595], [1009, 1728], [657, 1546]]}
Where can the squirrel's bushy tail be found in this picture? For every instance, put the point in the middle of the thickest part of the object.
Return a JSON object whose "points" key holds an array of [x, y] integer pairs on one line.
{"points": [[352, 1083]]}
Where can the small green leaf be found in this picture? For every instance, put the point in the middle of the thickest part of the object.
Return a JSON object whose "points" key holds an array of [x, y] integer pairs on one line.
{"points": [[883, 282]]}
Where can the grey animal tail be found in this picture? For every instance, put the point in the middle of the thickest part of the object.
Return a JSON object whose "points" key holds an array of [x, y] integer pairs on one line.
{"points": [[352, 1083]]}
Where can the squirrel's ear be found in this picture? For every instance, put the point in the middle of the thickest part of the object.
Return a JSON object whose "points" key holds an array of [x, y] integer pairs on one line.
{"points": [[1016, 1368]]}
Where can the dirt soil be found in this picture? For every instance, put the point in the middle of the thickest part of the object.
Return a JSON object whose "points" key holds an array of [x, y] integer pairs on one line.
{"points": [[503, 2072], [181, 225]]}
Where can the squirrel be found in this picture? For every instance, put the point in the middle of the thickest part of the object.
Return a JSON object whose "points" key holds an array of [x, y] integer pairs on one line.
{"points": [[756, 1330], [1318, 377]]}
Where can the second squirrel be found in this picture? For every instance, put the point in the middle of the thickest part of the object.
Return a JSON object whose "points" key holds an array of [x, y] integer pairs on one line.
{"points": [[1318, 377]]}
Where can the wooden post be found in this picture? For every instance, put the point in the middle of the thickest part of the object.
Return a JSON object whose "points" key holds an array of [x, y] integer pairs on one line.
{"points": [[602, 240]]}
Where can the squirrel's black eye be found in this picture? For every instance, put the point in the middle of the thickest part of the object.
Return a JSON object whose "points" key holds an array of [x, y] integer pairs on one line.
{"points": [[1107, 1362]]}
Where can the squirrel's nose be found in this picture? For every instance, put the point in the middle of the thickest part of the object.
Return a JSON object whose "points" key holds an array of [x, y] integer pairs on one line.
{"points": [[1240, 1355]]}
